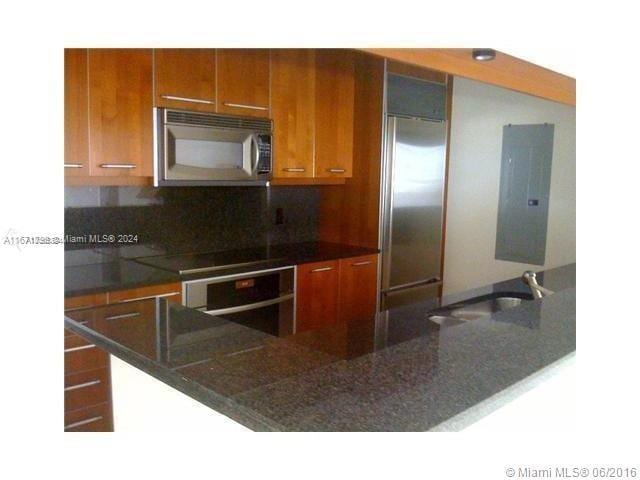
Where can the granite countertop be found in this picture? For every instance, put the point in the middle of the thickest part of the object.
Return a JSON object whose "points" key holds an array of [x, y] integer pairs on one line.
{"points": [[95, 270], [397, 371]]}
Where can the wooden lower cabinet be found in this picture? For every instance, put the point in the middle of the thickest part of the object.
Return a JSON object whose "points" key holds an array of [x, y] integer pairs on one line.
{"points": [[358, 288], [336, 291], [316, 295], [87, 374]]}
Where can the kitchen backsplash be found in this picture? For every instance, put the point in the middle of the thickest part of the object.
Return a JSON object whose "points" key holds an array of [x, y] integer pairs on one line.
{"points": [[194, 218]]}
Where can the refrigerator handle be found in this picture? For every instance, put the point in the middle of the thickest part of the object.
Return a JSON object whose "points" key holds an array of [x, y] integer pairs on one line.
{"points": [[386, 212]]}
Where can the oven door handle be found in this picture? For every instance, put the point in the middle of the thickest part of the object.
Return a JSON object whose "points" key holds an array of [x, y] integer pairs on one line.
{"points": [[246, 308]]}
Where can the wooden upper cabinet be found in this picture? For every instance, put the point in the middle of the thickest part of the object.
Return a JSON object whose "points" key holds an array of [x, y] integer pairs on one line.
{"points": [[316, 295], [358, 288], [120, 112], [335, 94], [243, 82], [76, 105], [185, 78], [293, 112]]}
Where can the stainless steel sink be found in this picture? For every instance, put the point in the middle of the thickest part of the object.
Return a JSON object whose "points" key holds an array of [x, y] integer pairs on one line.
{"points": [[478, 307]]}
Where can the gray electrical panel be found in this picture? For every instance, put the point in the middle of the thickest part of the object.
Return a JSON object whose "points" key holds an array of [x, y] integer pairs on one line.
{"points": [[412, 97], [525, 179]]}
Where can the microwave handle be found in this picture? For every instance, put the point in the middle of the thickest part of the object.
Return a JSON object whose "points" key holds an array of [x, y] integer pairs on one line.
{"points": [[255, 153]]}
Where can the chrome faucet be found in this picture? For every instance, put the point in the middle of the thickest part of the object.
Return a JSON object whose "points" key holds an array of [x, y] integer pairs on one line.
{"points": [[537, 290]]}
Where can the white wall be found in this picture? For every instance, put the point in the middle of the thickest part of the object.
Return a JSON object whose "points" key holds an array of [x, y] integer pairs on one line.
{"points": [[478, 115]]}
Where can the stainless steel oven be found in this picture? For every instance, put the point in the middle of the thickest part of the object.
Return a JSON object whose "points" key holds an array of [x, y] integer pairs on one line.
{"points": [[263, 300], [195, 148]]}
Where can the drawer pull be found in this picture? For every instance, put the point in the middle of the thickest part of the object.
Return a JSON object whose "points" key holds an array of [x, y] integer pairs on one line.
{"points": [[336, 170], [187, 99], [77, 349], [294, 169], [117, 165], [83, 422], [81, 385], [241, 105], [123, 315], [323, 269], [162, 295], [361, 264], [73, 165]]}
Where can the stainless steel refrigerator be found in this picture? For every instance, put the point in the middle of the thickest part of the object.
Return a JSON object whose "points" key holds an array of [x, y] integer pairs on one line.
{"points": [[412, 209]]}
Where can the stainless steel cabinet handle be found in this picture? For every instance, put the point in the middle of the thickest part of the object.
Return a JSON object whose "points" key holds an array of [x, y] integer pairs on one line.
{"points": [[117, 165], [323, 269], [83, 422], [360, 264], [81, 385], [336, 170], [187, 99], [77, 349], [73, 165], [123, 315], [294, 169], [240, 105]]}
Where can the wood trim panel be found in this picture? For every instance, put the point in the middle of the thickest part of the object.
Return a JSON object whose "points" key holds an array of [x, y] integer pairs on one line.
{"points": [[308, 181], [108, 181], [505, 71], [350, 213]]}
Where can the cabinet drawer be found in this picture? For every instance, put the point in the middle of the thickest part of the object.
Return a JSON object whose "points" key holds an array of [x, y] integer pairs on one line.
{"points": [[80, 355], [97, 418], [85, 389]]}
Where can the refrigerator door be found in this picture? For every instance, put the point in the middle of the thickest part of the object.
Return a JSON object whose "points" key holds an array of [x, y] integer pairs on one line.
{"points": [[413, 204]]}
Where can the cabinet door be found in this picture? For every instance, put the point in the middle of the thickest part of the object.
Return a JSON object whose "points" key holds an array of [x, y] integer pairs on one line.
{"points": [[243, 82], [76, 104], [293, 111], [120, 112], [185, 78], [358, 288], [316, 295], [335, 93]]}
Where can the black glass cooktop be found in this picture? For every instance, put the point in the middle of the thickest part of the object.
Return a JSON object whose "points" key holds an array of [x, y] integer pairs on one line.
{"points": [[209, 261]]}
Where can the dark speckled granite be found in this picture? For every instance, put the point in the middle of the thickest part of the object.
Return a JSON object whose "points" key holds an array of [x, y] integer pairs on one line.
{"points": [[395, 372], [114, 268], [113, 275]]}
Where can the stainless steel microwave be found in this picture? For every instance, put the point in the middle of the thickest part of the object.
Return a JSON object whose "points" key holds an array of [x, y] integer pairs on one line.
{"points": [[195, 148]]}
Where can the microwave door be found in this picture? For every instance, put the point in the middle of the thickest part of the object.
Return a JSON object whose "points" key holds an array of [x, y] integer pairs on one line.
{"points": [[204, 154]]}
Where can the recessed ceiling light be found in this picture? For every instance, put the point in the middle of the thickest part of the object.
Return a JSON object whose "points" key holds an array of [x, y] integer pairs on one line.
{"points": [[483, 54]]}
